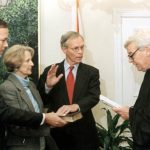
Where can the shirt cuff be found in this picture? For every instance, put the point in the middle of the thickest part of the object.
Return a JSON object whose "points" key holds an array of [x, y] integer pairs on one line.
{"points": [[47, 89], [43, 120]]}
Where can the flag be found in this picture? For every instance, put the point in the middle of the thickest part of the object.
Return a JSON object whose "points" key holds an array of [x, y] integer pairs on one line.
{"points": [[76, 18]]}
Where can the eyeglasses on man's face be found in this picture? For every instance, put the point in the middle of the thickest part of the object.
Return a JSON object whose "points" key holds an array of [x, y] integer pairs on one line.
{"points": [[77, 49], [131, 56]]}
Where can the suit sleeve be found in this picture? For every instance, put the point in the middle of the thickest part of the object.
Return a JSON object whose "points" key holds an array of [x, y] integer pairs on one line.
{"points": [[139, 115], [140, 125], [41, 87], [19, 117]]}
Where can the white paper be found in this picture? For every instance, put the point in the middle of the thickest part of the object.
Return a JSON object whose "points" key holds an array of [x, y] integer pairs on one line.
{"points": [[109, 102]]}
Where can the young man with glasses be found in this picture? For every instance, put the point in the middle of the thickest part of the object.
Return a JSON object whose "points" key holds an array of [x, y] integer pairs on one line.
{"points": [[54, 89], [11, 115], [138, 49]]}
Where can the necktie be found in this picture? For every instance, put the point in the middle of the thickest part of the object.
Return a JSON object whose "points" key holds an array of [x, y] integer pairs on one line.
{"points": [[70, 84]]}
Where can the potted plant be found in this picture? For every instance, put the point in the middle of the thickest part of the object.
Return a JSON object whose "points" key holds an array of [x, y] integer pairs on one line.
{"points": [[115, 136]]}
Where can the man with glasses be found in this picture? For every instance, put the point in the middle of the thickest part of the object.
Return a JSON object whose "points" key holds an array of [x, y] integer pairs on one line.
{"points": [[19, 117], [131, 55], [138, 49], [64, 96]]}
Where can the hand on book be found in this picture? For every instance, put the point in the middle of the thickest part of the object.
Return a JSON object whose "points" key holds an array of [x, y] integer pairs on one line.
{"points": [[65, 109], [72, 117], [69, 113], [54, 120]]}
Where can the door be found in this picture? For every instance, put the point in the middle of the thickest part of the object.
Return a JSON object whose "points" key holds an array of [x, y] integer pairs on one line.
{"points": [[128, 79]]}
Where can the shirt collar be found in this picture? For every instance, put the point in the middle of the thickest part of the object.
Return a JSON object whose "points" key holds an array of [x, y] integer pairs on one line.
{"points": [[24, 81], [66, 65]]}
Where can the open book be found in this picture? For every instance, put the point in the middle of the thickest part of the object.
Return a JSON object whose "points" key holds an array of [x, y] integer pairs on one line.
{"points": [[71, 117], [109, 102]]}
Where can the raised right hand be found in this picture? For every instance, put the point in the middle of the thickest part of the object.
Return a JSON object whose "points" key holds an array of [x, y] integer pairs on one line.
{"points": [[51, 79]]}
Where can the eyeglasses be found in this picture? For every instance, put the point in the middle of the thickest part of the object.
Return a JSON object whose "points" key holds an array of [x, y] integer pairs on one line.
{"points": [[130, 56], [77, 49]]}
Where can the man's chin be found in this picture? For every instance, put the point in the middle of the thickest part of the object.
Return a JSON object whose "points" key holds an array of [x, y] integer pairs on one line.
{"points": [[79, 60], [141, 69]]}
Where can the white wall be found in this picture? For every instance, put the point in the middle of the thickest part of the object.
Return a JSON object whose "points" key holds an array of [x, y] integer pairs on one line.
{"points": [[98, 26]]}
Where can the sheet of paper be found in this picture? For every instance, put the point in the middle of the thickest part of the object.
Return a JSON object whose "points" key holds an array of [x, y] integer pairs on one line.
{"points": [[109, 102]]}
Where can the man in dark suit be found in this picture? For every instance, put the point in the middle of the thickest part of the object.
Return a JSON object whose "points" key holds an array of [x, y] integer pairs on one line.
{"points": [[54, 89], [138, 49], [11, 115]]}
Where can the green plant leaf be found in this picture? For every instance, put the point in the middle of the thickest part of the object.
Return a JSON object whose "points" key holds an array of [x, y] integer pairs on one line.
{"points": [[109, 120], [114, 136]]}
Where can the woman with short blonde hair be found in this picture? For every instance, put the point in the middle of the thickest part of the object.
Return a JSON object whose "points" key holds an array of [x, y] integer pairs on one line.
{"points": [[18, 91]]}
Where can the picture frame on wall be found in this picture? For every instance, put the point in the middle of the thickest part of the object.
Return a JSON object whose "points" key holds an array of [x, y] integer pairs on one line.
{"points": [[22, 19]]}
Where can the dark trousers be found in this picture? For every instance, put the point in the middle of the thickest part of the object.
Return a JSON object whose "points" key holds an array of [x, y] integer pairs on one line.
{"points": [[68, 141]]}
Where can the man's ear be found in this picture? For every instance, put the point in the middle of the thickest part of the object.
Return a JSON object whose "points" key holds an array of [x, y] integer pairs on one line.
{"points": [[64, 49]]}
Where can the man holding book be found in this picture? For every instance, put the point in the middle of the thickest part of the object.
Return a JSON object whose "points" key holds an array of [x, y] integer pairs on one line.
{"points": [[72, 86], [138, 49]]}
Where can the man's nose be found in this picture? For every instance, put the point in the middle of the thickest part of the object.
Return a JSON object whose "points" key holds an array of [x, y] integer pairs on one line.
{"points": [[32, 64], [5, 44], [131, 61]]}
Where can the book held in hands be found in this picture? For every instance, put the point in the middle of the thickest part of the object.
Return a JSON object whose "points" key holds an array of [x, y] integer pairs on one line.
{"points": [[109, 102], [71, 117]]}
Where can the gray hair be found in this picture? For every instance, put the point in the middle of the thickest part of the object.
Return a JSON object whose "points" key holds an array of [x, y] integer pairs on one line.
{"points": [[141, 38], [68, 36], [14, 56]]}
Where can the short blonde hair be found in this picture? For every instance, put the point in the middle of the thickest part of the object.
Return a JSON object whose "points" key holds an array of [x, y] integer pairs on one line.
{"points": [[14, 56]]}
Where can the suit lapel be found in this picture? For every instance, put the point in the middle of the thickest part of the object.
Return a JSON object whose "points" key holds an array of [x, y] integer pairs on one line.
{"points": [[80, 81], [21, 90], [62, 82], [36, 95], [78, 84]]}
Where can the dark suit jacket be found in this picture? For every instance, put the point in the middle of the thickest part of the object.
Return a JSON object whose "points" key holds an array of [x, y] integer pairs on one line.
{"points": [[139, 116], [86, 95], [15, 95], [11, 115]]}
